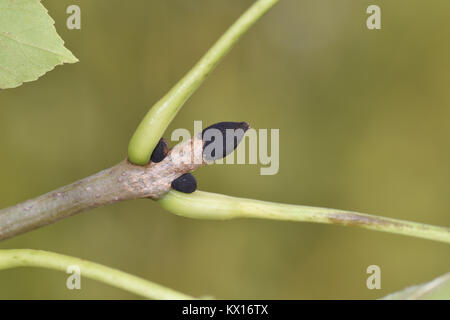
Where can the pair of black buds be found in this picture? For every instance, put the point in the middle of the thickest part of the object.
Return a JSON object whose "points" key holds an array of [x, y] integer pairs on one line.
{"points": [[186, 183]]}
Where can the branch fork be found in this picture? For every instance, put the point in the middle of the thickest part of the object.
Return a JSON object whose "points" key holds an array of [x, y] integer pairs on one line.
{"points": [[124, 181]]}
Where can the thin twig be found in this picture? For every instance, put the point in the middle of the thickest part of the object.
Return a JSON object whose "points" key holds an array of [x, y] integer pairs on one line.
{"points": [[161, 114], [206, 205], [37, 258]]}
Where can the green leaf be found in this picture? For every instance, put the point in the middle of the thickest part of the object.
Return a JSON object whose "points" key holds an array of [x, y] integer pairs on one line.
{"points": [[438, 289], [29, 44]]}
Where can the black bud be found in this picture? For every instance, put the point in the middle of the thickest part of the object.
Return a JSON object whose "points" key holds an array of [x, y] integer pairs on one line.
{"points": [[212, 149], [160, 151], [185, 183]]}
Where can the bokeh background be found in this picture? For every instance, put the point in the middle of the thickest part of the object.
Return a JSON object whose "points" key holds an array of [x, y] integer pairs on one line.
{"points": [[364, 125]]}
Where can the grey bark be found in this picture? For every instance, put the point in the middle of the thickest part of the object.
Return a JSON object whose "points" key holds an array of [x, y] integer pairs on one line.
{"points": [[123, 181]]}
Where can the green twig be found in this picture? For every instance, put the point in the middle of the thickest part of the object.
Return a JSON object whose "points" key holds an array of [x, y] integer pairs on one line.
{"points": [[37, 258], [161, 114], [206, 205]]}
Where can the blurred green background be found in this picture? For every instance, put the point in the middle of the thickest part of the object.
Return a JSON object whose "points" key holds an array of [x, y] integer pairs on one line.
{"points": [[364, 125]]}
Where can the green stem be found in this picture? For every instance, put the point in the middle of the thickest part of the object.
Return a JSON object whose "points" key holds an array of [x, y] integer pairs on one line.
{"points": [[161, 114], [205, 205], [37, 258]]}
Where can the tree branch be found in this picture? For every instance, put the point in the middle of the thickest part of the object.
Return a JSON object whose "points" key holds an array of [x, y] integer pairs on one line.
{"points": [[128, 181], [123, 181]]}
